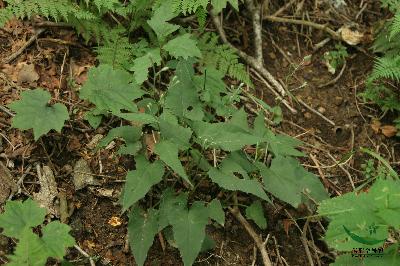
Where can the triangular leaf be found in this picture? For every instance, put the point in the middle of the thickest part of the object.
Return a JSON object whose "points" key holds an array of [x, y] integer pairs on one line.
{"points": [[287, 180], [33, 111], [141, 230], [189, 231], [159, 20], [131, 135], [140, 181], [216, 212], [142, 64], [168, 153], [255, 212]]}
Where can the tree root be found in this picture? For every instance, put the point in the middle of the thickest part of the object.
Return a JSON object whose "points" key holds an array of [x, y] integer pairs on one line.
{"points": [[257, 240]]}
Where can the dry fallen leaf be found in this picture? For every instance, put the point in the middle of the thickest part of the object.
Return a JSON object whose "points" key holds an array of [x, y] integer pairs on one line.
{"points": [[376, 125], [351, 36], [115, 221], [27, 74], [7, 183], [389, 131], [286, 225], [48, 189]]}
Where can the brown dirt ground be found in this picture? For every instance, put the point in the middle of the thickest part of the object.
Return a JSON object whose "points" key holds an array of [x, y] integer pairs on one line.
{"points": [[92, 212]]}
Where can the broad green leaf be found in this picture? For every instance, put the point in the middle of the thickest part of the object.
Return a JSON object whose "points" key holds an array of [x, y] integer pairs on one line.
{"points": [[142, 228], [189, 231], [208, 244], [239, 119], [218, 5], [255, 212], [169, 153], [138, 117], [140, 181], [182, 98], [287, 180], [158, 21], [279, 144], [363, 214], [183, 46], [170, 206], [33, 111], [223, 136], [142, 64], [29, 250], [110, 89], [19, 216], [199, 161], [172, 131], [230, 182], [216, 212], [56, 239], [131, 135]]}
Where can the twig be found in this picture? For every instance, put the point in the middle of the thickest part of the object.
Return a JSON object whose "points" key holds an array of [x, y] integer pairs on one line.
{"points": [[22, 49], [260, 245], [278, 96], [257, 28], [316, 112], [249, 59], [344, 170], [305, 243], [335, 79], [325, 28], [91, 261], [5, 110], [283, 8]]}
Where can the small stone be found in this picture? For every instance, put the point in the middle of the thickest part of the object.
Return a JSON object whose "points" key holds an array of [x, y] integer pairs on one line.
{"points": [[321, 109], [272, 56], [338, 100], [307, 115]]}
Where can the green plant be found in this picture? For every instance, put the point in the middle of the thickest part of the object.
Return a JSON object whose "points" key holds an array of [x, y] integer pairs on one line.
{"points": [[382, 84], [335, 58], [363, 220], [18, 221], [169, 85]]}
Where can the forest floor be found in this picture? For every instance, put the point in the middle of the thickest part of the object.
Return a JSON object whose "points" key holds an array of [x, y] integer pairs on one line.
{"points": [[58, 55]]}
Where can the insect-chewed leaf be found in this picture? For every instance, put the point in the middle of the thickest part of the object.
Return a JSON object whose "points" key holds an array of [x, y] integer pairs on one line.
{"points": [[255, 212], [19, 216], [140, 181], [33, 111], [183, 46], [287, 180], [110, 89], [141, 230]]}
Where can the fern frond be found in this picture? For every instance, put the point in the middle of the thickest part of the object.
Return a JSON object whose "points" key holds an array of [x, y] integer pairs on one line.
{"points": [[392, 5], [189, 6], [395, 26], [386, 68], [222, 57], [51, 9]]}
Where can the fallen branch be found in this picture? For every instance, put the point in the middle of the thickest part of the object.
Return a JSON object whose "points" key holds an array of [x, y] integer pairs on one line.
{"points": [[259, 243], [22, 49], [336, 78], [325, 28], [250, 60], [257, 28], [283, 8], [316, 112]]}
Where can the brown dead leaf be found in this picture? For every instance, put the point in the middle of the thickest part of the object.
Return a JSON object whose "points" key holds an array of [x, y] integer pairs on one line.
{"points": [[27, 74], [351, 36], [376, 125], [79, 73], [389, 131], [286, 225], [7, 183], [150, 141], [48, 189]]}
